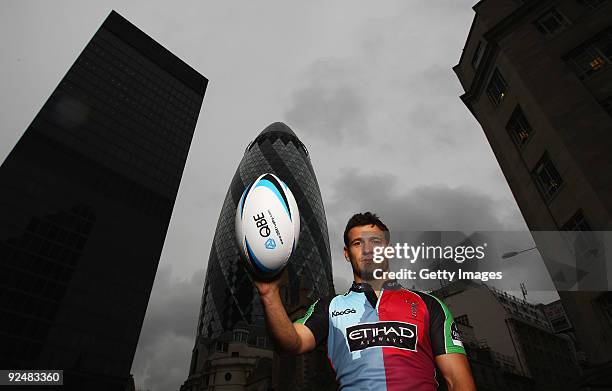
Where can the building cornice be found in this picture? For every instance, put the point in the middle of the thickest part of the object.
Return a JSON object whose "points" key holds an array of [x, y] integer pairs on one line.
{"points": [[492, 37], [148, 47]]}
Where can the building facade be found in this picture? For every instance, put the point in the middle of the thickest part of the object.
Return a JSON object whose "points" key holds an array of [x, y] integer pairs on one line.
{"points": [[537, 76], [87, 195], [509, 341], [557, 317], [229, 298]]}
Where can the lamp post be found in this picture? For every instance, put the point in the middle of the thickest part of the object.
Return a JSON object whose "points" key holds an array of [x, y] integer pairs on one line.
{"points": [[515, 253], [511, 254]]}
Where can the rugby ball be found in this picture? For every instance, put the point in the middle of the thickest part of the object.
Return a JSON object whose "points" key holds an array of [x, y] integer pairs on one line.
{"points": [[267, 226]]}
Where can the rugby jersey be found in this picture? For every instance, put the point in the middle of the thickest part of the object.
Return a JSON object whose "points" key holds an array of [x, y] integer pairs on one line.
{"points": [[387, 342]]}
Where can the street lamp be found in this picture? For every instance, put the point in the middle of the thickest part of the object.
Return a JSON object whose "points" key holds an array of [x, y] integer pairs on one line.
{"points": [[515, 253]]}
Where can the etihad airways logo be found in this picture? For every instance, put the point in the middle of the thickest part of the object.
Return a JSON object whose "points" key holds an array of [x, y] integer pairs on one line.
{"points": [[343, 312], [400, 335]]}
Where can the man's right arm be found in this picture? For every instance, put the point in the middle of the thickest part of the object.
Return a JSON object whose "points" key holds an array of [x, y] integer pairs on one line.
{"points": [[295, 338]]}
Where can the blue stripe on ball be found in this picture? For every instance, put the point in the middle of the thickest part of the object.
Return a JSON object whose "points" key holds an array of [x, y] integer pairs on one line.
{"points": [[270, 185], [254, 259]]}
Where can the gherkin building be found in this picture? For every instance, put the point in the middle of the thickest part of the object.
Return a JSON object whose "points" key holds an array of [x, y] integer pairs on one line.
{"points": [[231, 313]]}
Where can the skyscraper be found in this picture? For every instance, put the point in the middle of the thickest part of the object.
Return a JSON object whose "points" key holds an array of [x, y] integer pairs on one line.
{"points": [[538, 78], [229, 299], [85, 201]]}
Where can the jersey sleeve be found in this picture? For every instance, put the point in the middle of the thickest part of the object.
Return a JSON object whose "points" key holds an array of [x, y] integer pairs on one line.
{"points": [[445, 337], [317, 319]]}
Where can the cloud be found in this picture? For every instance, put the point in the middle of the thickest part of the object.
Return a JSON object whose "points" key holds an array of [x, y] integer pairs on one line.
{"points": [[425, 207], [391, 92], [329, 104], [162, 359], [422, 208], [437, 207]]}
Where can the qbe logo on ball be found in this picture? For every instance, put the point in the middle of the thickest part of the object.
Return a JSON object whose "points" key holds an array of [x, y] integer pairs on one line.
{"points": [[267, 226]]}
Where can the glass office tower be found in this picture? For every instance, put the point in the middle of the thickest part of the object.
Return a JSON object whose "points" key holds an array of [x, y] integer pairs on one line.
{"points": [[229, 299], [85, 201]]}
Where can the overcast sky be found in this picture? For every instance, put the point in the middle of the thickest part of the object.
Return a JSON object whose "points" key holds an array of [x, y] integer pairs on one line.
{"points": [[367, 86]]}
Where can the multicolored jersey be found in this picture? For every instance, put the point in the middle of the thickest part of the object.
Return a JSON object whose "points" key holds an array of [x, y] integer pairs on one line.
{"points": [[387, 342]]}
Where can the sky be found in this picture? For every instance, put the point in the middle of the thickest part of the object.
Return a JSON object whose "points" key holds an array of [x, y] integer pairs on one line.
{"points": [[367, 86]]}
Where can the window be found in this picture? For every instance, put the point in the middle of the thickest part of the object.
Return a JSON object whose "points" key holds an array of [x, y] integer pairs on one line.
{"points": [[592, 4], [591, 56], [552, 22], [558, 323], [519, 128], [604, 302], [607, 104], [462, 319], [478, 54], [496, 90], [241, 336], [261, 342], [576, 223], [583, 241], [547, 177], [304, 149], [221, 346]]}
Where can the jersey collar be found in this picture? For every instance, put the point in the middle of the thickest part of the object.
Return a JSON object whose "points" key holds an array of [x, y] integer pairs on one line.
{"points": [[364, 286]]}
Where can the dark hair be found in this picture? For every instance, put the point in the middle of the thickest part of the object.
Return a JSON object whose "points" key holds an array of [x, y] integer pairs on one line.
{"points": [[366, 218]]}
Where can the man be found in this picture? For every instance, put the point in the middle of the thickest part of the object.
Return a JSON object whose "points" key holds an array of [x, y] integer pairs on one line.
{"points": [[379, 335]]}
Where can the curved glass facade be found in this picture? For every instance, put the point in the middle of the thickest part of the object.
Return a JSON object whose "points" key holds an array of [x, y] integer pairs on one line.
{"points": [[229, 295]]}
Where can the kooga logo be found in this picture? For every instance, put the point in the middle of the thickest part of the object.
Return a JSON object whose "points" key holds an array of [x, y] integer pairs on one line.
{"points": [[343, 312], [400, 335]]}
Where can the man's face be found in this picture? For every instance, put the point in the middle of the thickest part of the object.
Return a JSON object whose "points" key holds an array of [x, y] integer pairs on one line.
{"points": [[360, 251]]}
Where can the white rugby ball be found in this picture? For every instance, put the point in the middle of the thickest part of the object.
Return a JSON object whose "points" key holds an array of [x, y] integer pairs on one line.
{"points": [[267, 225]]}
